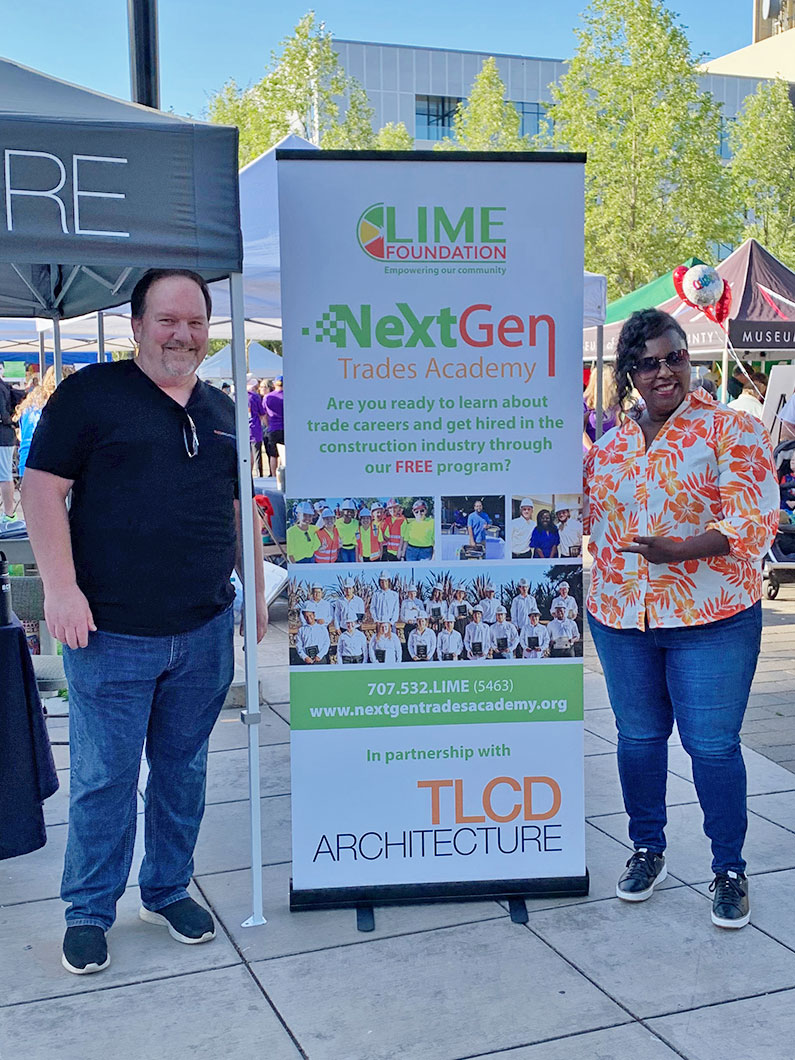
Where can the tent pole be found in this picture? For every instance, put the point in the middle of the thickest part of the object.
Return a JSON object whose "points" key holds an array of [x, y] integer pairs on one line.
{"points": [[42, 357], [600, 366], [100, 337], [251, 716], [57, 359], [724, 369]]}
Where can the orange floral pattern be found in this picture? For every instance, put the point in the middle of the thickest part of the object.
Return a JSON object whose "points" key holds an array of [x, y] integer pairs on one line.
{"points": [[709, 468]]}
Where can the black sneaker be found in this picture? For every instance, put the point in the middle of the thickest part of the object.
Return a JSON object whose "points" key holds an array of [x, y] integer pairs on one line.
{"points": [[730, 906], [186, 921], [85, 950], [644, 869]]}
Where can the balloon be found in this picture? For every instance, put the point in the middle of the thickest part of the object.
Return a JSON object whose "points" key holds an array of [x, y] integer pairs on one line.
{"points": [[678, 276], [702, 286], [724, 303]]}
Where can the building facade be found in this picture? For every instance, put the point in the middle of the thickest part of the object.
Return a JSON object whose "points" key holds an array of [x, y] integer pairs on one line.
{"points": [[422, 86]]}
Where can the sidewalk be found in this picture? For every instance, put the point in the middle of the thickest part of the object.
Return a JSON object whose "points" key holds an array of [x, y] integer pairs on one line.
{"points": [[585, 979]]}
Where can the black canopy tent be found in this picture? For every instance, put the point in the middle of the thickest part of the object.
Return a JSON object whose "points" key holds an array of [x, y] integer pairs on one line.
{"points": [[95, 191]]}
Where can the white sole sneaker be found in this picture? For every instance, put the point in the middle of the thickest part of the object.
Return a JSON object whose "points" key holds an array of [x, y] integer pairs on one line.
{"points": [[89, 968], [155, 918], [721, 923], [641, 896]]}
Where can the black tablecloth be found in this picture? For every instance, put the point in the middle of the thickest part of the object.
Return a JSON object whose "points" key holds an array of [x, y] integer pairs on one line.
{"points": [[27, 770]]}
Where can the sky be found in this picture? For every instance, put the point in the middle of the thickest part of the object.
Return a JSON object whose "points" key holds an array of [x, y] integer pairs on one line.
{"points": [[204, 44]]}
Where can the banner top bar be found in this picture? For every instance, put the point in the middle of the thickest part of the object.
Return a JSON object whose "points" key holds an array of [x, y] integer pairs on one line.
{"points": [[293, 154]]}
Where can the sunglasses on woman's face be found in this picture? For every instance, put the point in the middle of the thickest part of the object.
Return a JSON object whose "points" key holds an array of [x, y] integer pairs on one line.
{"points": [[649, 366]]}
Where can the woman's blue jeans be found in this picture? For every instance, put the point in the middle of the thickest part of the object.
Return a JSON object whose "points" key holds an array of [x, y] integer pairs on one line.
{"points": [[126, 692], [701, 676]]}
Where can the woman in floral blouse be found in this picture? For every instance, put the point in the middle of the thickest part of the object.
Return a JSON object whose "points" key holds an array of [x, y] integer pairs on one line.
{"points": [[683, 504]]}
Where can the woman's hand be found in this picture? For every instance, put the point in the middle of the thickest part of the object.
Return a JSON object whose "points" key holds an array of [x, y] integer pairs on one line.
{"points": [[668, 550]]}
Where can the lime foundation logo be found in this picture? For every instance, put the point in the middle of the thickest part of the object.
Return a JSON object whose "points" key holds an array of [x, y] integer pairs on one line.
{"points": [[433, 233]]}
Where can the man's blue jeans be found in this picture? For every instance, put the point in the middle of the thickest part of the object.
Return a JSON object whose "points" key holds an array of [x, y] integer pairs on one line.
{"points": [[126, 692], [700, 675]]}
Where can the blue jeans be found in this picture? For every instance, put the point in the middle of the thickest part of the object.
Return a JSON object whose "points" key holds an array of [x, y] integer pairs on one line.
{"points": [[126, 692], [417, 552], [347, 555], [700, 675]]}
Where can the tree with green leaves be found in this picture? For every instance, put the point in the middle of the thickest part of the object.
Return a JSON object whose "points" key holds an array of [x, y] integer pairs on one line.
{"points": [[394, 136], [304, 90], [485, 121], [656, 191], [762, 140]]}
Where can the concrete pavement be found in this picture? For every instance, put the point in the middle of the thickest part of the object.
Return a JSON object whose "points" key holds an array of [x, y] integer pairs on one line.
{"points": [[585, 978]]}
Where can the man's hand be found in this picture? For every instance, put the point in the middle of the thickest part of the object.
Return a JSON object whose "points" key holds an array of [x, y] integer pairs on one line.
{"points": [[657, 549], [262, 619], [68, 616]]}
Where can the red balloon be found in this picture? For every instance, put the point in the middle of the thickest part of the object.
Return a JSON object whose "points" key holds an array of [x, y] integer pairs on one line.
{"points": [[709, 313], [724, 303], [677, 277]]}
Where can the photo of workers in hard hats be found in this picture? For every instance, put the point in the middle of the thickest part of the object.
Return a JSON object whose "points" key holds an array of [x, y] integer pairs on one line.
{"points": [[546, 527], [409, 615], [325, 530], [473, 528]]}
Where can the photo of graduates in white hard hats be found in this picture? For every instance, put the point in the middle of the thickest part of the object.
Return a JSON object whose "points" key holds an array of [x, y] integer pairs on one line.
{"points": [[396, 616], [326, 530], [546, 527], [473, 528]]}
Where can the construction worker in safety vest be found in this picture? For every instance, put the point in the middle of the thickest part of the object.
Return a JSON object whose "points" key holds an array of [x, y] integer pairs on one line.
{"points": [[379, 516], [328, 538], [417, 534], [302, 536], [370, 543], [392, 527], [348, 530]]}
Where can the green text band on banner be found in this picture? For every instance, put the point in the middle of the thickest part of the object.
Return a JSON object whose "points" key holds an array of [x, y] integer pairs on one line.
{"points": [[432, 307]]}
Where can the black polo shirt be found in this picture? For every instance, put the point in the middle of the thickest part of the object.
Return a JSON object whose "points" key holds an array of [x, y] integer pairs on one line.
{"points": [[153, 529]]}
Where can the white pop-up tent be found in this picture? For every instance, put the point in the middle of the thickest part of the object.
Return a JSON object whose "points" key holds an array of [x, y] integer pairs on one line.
{"points": [[263, 363], [96, 191]]}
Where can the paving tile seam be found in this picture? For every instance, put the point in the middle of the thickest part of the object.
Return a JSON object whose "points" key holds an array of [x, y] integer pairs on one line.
{"points": [[247, 966], [711, 1004], [242, 868], [230, 802], [369, 940], [758, 813], [687, 802], [548, 1041], [117, 986]]}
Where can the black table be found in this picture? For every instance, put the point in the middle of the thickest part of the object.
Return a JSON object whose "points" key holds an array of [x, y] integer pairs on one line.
{"points": [[26, 764]]}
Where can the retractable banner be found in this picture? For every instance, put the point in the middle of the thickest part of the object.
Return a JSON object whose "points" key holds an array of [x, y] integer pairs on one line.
{"points": [[432, 308]]}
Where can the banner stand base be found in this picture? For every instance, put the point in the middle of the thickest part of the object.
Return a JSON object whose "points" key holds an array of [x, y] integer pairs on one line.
{"points": [[360, 898]]}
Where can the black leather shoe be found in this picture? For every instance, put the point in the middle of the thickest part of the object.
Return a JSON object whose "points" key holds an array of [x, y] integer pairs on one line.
{"points": [[644, 869], [85, 950], [186, 921], [730, 905]]}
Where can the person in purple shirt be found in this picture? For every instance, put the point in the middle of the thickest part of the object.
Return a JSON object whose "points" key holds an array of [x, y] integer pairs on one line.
{"points": [[274, 407], [256, 412]]}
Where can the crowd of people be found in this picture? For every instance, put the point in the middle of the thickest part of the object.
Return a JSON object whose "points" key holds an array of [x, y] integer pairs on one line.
{"points": [[265, 424], [352, 530], [436, 622]]}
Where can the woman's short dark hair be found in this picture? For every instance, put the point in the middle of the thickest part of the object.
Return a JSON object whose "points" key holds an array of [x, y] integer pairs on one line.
{"points": [[636, 332], [138, 297]]}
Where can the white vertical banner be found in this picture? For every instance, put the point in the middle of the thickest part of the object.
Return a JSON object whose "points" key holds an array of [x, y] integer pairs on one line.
{"points": [[432, 315]]}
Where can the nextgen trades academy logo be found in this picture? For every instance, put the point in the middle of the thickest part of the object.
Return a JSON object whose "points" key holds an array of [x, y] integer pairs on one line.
{"points": [[431, 234]]}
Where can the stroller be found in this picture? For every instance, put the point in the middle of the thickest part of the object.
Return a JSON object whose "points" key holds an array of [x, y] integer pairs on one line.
{"points": [[778, 566]]}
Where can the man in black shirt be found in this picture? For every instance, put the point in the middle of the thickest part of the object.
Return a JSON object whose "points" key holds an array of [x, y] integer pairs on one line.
{"points": [[137, 587]]}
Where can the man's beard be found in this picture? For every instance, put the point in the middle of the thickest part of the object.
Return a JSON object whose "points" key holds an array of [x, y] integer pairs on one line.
{"points": [[181, 360]]}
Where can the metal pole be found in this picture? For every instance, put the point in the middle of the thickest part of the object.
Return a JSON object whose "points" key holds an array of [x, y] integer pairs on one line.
{"points": [[724, 369], [42, 357], [100, 337], [251, 715], [144, 64], [57, 359], [600, 367]]}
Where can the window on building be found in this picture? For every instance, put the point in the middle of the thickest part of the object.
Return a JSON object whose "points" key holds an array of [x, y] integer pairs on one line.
{"points": [[724, 150], [434, 116], [531, 115]]}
